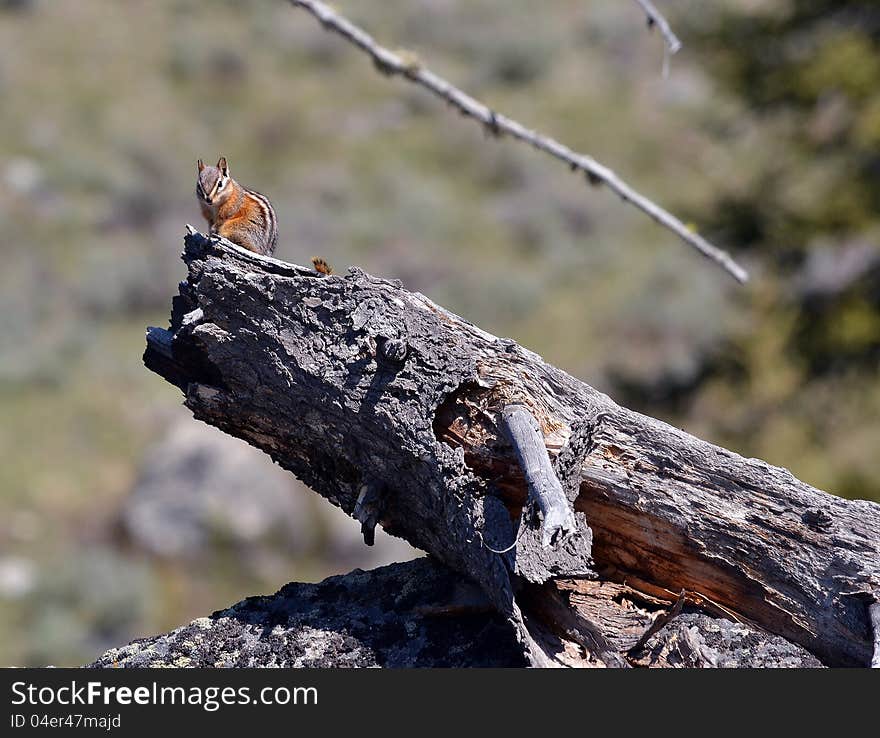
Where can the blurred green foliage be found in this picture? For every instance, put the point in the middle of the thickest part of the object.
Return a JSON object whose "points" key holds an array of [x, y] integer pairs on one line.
{"points": [[799, 100], [766, 134]]}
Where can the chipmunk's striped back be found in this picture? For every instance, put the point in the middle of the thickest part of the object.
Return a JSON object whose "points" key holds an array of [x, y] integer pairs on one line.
{"points": [[268, 218], [241, 215]]}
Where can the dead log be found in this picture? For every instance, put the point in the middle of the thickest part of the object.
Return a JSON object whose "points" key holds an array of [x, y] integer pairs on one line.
{"points": [[353, 383]]}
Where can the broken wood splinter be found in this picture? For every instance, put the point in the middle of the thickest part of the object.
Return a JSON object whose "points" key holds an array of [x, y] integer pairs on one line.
{"points": [[366, 511], [545, 488], [662, 620]]}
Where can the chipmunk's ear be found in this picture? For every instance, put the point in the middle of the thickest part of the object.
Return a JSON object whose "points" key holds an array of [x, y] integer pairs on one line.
{"points": [[201, 165], [223, 166]]}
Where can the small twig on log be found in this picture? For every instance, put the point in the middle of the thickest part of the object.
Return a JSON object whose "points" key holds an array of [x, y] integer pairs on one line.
{"points": [[544, 486], [366, 511], [391, 63], [671, 42], [660, 621], [874, 612]]}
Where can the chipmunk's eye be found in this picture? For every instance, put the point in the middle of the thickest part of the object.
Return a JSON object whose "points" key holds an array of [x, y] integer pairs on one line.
{"points": [[220, 184]]}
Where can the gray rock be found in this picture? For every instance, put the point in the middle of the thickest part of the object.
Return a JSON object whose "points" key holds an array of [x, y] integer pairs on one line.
{"points": [[831, 270], [697, 640], [18, 577], [395, 616], [199, 488]]}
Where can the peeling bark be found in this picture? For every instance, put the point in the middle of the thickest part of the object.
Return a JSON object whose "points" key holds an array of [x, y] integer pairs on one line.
{"points": [[352, 382]]}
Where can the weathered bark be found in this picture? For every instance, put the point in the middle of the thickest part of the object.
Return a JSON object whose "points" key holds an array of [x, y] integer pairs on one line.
{"points": [[354, 383]]}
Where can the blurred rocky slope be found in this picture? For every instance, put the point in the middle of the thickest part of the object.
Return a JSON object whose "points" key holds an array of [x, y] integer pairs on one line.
{"points": [[200, 491], [104, 536]]}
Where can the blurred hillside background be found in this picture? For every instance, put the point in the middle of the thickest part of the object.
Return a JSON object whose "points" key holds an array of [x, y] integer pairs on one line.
{"points": [[120, 516]]}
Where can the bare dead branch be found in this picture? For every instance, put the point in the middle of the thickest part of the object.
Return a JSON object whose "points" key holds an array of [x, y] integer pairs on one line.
{"points": [[405, 65], [671, 41], [544, 486]]}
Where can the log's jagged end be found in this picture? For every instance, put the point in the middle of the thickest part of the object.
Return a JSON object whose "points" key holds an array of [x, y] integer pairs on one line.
{"points": [[352, 382]]}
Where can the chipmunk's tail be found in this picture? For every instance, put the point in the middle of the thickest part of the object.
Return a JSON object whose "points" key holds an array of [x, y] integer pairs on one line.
{"points": [[321, 266]]}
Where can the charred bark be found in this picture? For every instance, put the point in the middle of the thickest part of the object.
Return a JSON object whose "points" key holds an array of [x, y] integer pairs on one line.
{"points": [[353, 383]]}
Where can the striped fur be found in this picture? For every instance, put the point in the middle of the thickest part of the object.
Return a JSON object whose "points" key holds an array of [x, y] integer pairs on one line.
{"points": [[234, 212], [269, 218]]}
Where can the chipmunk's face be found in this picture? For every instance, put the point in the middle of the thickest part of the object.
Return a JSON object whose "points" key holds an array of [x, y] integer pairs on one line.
{"points": [[212, 185]]}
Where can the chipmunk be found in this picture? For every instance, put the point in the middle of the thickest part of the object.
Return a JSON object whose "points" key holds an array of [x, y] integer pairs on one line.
{"points": [[240, 215], [236, 213]]}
